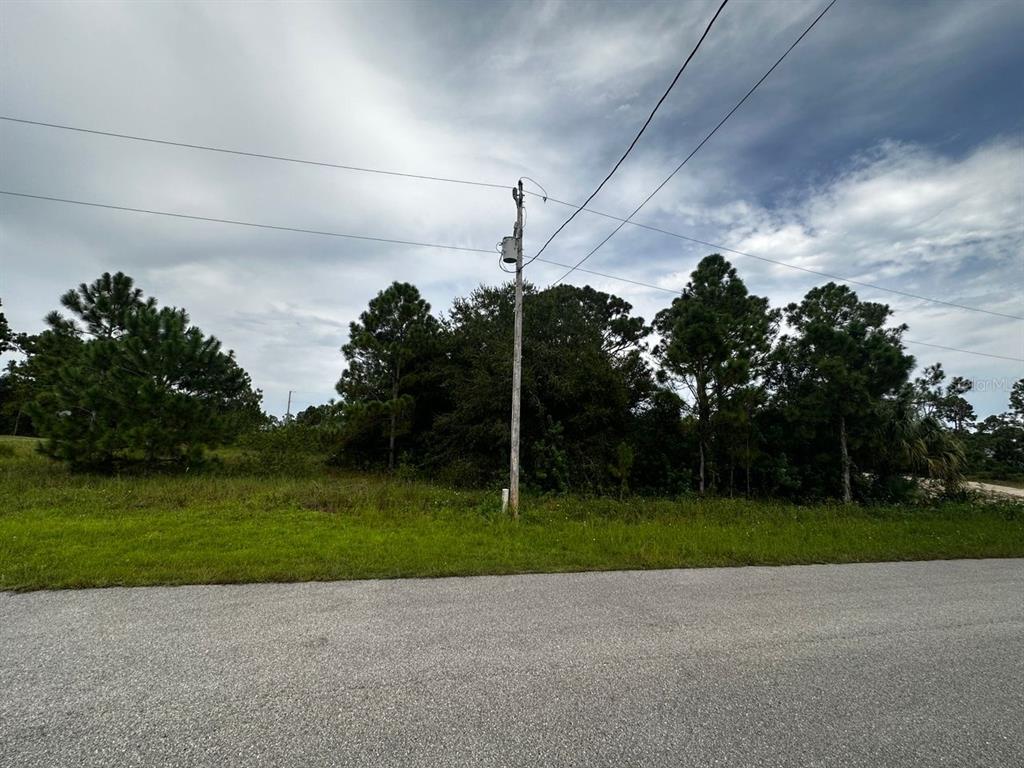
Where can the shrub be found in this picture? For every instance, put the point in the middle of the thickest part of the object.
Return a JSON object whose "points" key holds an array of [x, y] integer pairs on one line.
{"points": [[292, 449]]}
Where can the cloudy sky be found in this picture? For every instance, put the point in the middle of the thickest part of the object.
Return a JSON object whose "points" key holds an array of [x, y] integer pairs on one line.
{"points": [[888, 147]]}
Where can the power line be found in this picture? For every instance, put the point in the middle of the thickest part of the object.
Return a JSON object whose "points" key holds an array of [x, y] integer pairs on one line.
{"points": [[482, 250], [808, 270], [677, 292], [702, 143], [643, 128], [407, 242], [494, 186], [244, 223], [649, 227], [243, 153], [965, 351], [614, 277]]}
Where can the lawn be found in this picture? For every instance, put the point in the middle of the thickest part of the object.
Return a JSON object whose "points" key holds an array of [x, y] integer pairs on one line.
{"points": [[63, 530]]}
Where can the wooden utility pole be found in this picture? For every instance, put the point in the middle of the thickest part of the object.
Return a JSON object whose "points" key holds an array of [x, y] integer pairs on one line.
{"points": [[517, 356]]}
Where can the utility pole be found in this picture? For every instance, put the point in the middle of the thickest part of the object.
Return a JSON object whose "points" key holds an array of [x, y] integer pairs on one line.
{"points": [[288, 413], [517, 356]]}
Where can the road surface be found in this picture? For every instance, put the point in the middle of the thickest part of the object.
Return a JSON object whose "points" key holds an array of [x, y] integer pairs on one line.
{"points": [[854, 665]]}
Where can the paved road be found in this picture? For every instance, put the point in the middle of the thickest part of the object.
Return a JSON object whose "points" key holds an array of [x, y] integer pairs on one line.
{"points": [[856, 665]]}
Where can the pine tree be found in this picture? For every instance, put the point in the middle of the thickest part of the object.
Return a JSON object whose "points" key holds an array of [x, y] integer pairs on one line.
{"points": [[123, 381], [396, 326], [839, 364], [715, 339]]}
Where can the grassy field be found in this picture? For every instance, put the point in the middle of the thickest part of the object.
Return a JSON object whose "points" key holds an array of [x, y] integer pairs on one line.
{"points": [[63, 530]]}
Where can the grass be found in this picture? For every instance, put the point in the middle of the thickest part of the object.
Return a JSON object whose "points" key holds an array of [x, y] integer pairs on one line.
{"points": [[60, 530]]}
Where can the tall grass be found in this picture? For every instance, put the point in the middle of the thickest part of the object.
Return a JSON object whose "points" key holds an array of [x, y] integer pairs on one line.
{"points": [[59, 529]]}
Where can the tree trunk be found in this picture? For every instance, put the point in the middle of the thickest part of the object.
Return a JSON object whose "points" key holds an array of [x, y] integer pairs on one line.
{"points": [[703, 425], [394, 421], [847, 495], [702, 466], [748, 464], [391, 439]]}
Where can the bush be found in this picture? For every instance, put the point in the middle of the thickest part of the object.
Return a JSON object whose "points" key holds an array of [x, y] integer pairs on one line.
{"points": [[292, 449]]}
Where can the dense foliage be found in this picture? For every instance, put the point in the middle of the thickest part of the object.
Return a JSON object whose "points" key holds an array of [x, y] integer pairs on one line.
{"points": [[719, 394], [709, 398], [122, 381]]}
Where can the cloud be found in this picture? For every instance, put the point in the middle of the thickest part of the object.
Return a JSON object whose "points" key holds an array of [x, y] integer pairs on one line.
{"points": [[899, 216], [906, 216], [874, 151]]}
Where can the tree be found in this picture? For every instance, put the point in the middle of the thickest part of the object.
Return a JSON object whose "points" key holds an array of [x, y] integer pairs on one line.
{"points": [[996, 448], [1017, 401], [12, 395], [947, 404], [584, 375], [318, 416], [715, 339], [383, 344], [909, 441], [25, 380], [123, 381], [7, 342], [837, 366], [103, 309]]}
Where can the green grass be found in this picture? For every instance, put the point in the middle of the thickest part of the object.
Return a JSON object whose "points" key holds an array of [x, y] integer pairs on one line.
{"points": [[63, 530]]}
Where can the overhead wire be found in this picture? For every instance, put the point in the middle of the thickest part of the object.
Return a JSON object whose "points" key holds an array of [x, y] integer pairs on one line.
{"points": [[678, 292], [640, 133], [701, 144], [243, 153], [544, 196], [242, 223], [709, 244], [397, 241], [965, 351], [788, 265]]}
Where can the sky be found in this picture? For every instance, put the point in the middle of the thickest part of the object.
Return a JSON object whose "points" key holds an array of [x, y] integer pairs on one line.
{"points": [[888, 148]]}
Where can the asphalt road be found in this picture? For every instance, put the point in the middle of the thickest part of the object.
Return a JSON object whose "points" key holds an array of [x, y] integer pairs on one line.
{"points": [[855, 665]]}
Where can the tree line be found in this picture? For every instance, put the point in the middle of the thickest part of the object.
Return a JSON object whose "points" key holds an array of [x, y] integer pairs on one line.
{"points": [[719, 393]]}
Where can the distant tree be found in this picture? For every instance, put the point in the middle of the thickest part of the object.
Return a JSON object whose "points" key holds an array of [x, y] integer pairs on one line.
{"points": [[318, 415], [6, 336], [1017, 401], [996, 447], [123, 381], [839, 363], [390, 334], [715, 339], [945, 403], [957, 411]]}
